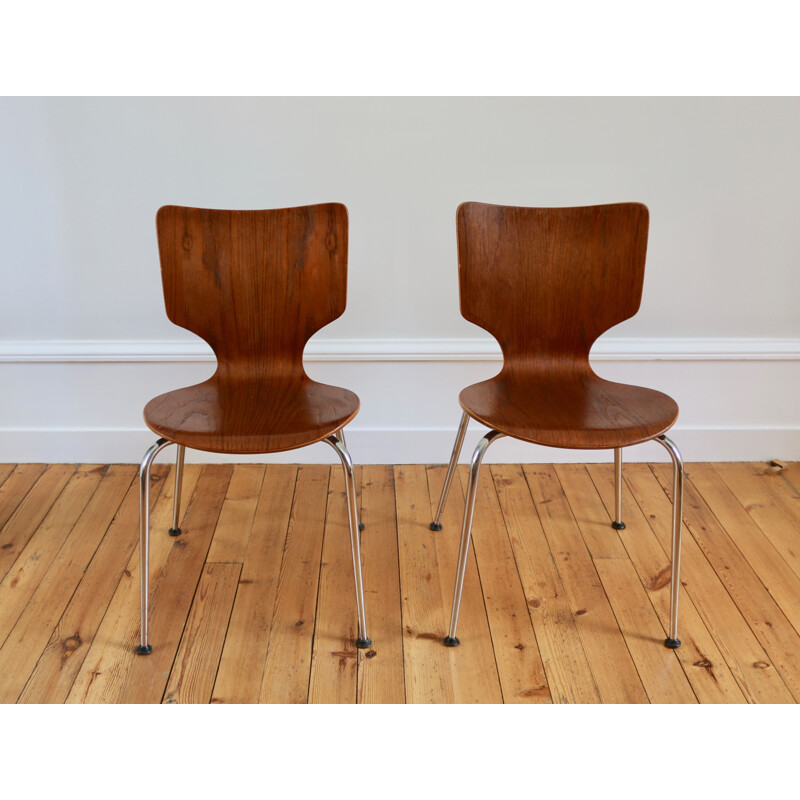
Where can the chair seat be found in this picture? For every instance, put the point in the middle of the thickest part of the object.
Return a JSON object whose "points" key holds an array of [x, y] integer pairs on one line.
{"points": [[581, 411], [249, 416]]}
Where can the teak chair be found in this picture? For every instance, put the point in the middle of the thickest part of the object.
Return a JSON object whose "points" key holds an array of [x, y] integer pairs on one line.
{"points": [[546, 283], [256, 285]]}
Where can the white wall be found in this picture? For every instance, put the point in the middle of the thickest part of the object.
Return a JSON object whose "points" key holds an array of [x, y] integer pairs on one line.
{"points": [[84, 341]]}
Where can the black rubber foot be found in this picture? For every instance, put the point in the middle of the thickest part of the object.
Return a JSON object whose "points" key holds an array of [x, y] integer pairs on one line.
{"points": [[672, 643], [175, 531], [618, 526], [144, 649], [361, 526], [363, 644], [451, 641], [435, 526]]}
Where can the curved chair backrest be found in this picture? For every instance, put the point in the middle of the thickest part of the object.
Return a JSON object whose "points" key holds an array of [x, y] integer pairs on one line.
{"points": [[256, 285], [546, 282]]}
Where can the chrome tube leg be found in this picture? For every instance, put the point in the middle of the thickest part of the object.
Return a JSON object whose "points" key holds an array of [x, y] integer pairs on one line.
{"points": [[451, 468], [340, 437], [176, 510], [618, 524], [144, 540], [677, 518], [466, 532], [363, 641]]}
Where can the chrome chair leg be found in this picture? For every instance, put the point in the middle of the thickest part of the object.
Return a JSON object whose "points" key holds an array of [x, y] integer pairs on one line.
{"points": [[363, 641], [144, 541], [451, 468], [340, 436], [677, 518], [176, 510], [466, 531], [618, 524]]}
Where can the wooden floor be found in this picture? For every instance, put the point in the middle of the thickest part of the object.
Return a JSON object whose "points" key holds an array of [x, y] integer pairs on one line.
{"points": [[255, 603]]}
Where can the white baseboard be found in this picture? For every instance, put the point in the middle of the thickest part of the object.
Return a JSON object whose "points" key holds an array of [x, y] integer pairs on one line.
{"points": [[82, 401], [421, 446], [465, 349]]}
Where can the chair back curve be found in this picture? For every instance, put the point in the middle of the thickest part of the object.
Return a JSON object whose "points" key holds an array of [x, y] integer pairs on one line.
{"points": [[547, 282], [256, 285]]}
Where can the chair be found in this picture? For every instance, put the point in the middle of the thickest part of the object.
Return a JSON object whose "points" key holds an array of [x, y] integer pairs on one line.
{"points": [[256, 285], [546, 283]]}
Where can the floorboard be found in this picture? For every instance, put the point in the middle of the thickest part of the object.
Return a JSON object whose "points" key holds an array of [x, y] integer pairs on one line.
{"points": [[255, 601]]}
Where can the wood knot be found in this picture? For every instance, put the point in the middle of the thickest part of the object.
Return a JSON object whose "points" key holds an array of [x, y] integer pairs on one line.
{"points": [[299, 623], [72, 643], [187, 242], [535, 691], [704, 663], [580, 612], [370, 654], [760, 664], [661, 579], [534, 602]]}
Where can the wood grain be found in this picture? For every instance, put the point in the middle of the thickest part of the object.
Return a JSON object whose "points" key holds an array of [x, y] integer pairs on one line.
{"points": [[473, 666], [381, 678], [659, 668], [291, 636], [569, 675], [704, 665], [29, 513], [112, 671], [255, 285], [612, 666], [33, 562], [44, 606], [236, 518], [537, 547], [546, 283], [5, 471], [428, 671], [756, 492], [770, 625], [69, 643], [15, 486], [519, 664], [752, 668], [192, 677], [752, 543], [242, 665]]}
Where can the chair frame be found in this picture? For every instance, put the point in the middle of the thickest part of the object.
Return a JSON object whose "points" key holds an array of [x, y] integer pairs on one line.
{"points": [[582, 279], [337, 442], [285, 272], [451, 640]]}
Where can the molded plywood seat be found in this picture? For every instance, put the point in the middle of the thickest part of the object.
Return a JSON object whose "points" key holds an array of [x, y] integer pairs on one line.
{"points": [[549, 410], [546, 283], [251, 416], [256, 285]]}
